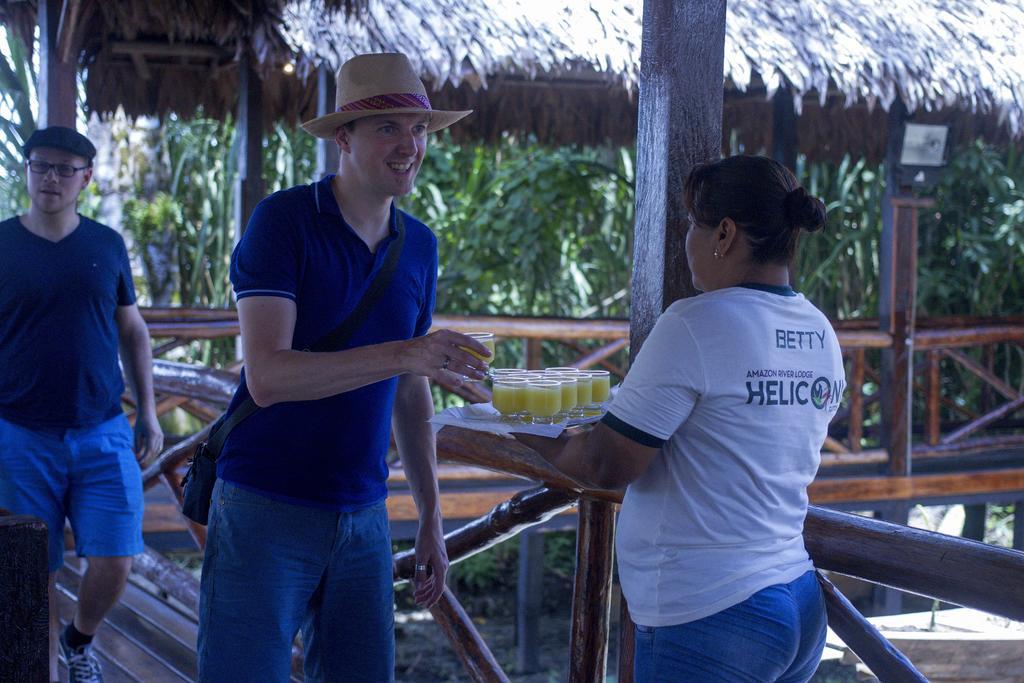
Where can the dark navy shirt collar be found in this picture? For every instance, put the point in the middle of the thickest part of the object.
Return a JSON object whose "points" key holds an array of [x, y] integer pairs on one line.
{"points": [[781, 290], [323, 196]]}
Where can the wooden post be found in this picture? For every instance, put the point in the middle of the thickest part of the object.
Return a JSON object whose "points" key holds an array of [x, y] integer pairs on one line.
{"points": [[989, 355], [856, 393], [529, 601], [784, 141], [592, 592], [887, 600], [895, 368], [465, 640], [627, 644], [57, 87], [533, 354], [784, 144], [933, 396], [897, 298], [974, 522], [326, 150], [249, 190], [1018, 525], [679, 126], [24, 613]]}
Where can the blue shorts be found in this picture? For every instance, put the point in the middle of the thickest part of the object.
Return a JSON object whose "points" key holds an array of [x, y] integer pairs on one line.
{"points": [[88, 475]]}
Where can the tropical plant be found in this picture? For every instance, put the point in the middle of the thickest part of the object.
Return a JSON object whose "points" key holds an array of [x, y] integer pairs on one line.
{"points": [[971, 248], [17, 119], [289, 157], [837, 268], [528, 230]]}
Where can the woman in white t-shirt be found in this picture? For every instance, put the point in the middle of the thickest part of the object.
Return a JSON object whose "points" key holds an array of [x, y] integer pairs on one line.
{"points": [[717, 431]]}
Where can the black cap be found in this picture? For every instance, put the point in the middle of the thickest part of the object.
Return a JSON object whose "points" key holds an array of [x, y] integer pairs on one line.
{"points": [[60, 137]]}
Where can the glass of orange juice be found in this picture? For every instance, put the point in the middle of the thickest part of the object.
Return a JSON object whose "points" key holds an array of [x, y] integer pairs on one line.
{"points": [[544, 400], [600, 381], [522, 413], [485, 338], [508, 396], [570, 387], [584, 393]]}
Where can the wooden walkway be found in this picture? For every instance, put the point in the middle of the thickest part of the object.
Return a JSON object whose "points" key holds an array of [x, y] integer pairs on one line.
{"points": [[143, 638]]}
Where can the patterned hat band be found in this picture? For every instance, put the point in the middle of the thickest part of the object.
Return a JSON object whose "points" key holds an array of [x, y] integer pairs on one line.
{"points": [[409, 100]]}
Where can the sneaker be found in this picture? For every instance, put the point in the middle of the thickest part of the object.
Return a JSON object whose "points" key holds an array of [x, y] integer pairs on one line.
{"points": [[83, 667]]}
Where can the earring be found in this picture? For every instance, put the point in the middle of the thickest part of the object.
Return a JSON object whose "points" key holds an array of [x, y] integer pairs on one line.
{"points": [[717, 255]]}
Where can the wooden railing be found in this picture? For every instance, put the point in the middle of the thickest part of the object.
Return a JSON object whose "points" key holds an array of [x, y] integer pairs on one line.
{"points": [[945, 568], [943, 346], [918, 561], [945, 350]]}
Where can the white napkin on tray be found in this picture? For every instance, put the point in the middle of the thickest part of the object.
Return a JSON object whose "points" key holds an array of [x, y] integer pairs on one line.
{"points": [[482, 417]]}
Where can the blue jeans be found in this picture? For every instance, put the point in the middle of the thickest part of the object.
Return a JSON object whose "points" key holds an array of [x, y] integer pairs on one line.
{"points": [[88, 475], [777, 634], [272, 568]]}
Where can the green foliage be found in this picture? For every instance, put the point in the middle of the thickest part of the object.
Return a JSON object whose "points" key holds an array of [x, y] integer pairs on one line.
{"points": [[492, 575], [999, 524], [489, 571], [198, 167], [156, 226], [971, 253], [17, 120], [970, 249], [837, 268], [289, 157], [528, 230], [202, 157]]}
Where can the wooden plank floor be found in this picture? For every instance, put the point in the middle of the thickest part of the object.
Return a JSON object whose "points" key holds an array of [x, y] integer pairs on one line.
{"points": [[142, 639]]}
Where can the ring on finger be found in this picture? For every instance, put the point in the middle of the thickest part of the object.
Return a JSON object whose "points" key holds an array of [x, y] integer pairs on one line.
{"points": [[447, 360]]}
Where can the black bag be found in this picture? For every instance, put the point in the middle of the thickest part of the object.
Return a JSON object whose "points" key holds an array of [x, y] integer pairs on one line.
{"points": [[197, 486], [202, 469]]}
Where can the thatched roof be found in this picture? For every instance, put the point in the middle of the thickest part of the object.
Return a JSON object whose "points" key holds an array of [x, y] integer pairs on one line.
{"points": [[566, 70], [549, 66], [932, 53], [157, 56]]}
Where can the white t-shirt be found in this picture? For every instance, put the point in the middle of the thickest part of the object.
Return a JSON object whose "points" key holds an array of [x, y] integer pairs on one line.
{"points": [[738, 387]]}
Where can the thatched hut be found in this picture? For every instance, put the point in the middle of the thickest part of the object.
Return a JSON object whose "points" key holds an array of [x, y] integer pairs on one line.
{"points": [[566, 71]]}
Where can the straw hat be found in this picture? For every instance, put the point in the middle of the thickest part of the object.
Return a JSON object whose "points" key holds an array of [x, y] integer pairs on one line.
{"points": [[369, 85]]}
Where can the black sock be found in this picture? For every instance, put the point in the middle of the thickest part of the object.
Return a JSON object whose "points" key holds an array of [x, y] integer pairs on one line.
{"points": [[75, 638]]}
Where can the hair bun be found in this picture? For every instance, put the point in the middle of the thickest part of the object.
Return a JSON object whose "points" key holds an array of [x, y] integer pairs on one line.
{"points": [[804, 211]]}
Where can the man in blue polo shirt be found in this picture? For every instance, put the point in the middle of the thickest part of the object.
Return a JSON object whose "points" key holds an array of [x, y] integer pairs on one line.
{"points": [[66, 450], [298, 535]]}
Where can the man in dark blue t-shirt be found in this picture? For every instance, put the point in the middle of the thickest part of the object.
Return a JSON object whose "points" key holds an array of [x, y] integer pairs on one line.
{"points": [[66, 450], [298, 535]]}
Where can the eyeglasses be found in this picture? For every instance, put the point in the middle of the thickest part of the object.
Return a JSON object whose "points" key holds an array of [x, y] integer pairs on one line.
{"points": [[63, 170]]}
